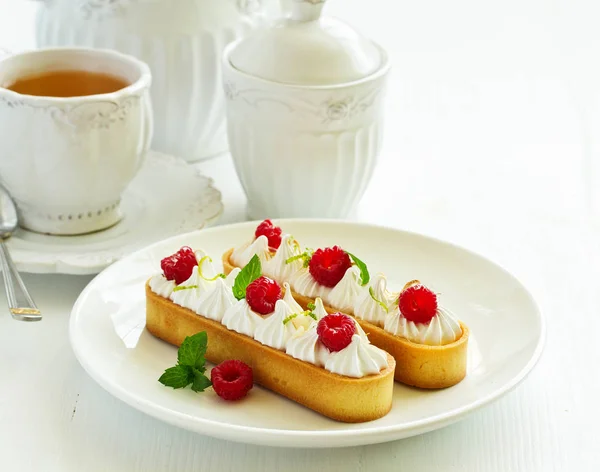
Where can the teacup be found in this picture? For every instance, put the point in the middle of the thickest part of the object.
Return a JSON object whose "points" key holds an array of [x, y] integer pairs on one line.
{"points": [[66, 160]]}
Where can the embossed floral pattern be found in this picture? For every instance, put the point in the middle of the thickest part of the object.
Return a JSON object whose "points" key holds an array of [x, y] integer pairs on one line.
{"points": [[249, 7], [230, 90], [348, 107], [94, 115], [102, 8], [338, 110], [329, 111]]}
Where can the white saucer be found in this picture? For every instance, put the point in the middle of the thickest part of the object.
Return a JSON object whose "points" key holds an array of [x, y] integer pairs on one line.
{"points": [[108, 336], [166, 198]]}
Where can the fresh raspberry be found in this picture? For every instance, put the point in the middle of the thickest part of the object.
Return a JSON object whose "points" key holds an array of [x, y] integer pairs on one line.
{"points": [[262, 294], [179, 266], [329, 265], [273, 233], [231, 379], [418, 304], [335, 331]]}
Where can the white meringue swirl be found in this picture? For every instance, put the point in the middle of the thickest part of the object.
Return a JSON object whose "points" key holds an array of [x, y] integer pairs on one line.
{"points": [[213, 303], [273, 331], [242, 319], [443, 328], [344, 295], [161, 286], [290, 300], [305, 284], [358, 359], [375, 303], [341, 297], [277, 267], [187, 293], [319, 310], [242, 255], [306, 346]]}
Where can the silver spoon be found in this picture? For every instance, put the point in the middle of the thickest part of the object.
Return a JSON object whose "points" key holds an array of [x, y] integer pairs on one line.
{"points": [[21, 305]]}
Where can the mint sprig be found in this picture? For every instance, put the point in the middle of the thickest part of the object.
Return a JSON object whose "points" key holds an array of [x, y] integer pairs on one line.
{"points": [[201, 382], [192, 350], [305, 257], [190, 365], [179, 376], [364, 272], [247, 275]]}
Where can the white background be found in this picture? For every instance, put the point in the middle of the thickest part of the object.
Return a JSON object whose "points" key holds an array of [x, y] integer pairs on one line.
{"points": [[493, 141]]}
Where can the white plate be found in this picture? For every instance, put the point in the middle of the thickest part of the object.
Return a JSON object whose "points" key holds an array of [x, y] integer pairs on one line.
{"points": [[108, 337], [166, 198]]}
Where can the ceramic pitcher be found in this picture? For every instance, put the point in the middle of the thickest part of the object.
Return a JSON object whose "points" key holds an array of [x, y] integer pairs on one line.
{"points": [[182, 42]]}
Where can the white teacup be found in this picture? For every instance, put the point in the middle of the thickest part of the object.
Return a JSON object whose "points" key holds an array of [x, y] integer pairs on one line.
{"points": [[66, 161]]}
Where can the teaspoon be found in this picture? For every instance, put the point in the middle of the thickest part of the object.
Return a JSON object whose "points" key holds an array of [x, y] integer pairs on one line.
{"points": [[21, 305]]}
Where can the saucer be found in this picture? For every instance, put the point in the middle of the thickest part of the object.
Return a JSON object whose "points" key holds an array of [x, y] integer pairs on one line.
{"points": [[166, 198]]}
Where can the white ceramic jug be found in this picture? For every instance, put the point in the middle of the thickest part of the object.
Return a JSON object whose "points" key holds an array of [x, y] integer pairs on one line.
{"points": [[182, 42]]}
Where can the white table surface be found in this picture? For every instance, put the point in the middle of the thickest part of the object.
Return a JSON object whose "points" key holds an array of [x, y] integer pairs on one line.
{"points": [[492, 142]]}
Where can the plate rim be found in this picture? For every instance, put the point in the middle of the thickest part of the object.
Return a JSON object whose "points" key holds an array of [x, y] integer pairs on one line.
{"points": [[283, 438]]}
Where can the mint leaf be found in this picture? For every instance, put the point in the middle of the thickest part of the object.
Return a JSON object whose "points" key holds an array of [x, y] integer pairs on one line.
{"points": [[190, 365], [201, 381], [249, 274], [364, 272], [192, 350], [179, 376]]}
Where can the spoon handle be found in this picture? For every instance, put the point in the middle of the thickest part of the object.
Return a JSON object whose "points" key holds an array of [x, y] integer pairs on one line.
{"points": [[21, 305]]}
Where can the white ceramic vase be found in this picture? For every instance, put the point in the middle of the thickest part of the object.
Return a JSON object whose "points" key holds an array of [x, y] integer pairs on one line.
{"points": [[182, 42]]}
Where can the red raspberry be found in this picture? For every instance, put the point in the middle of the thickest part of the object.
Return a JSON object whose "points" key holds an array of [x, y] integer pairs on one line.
{"points": [[231, 379], [273, 233], [262, 294], [335, 331], [179, 266], [418, 304], [329, 265]]}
